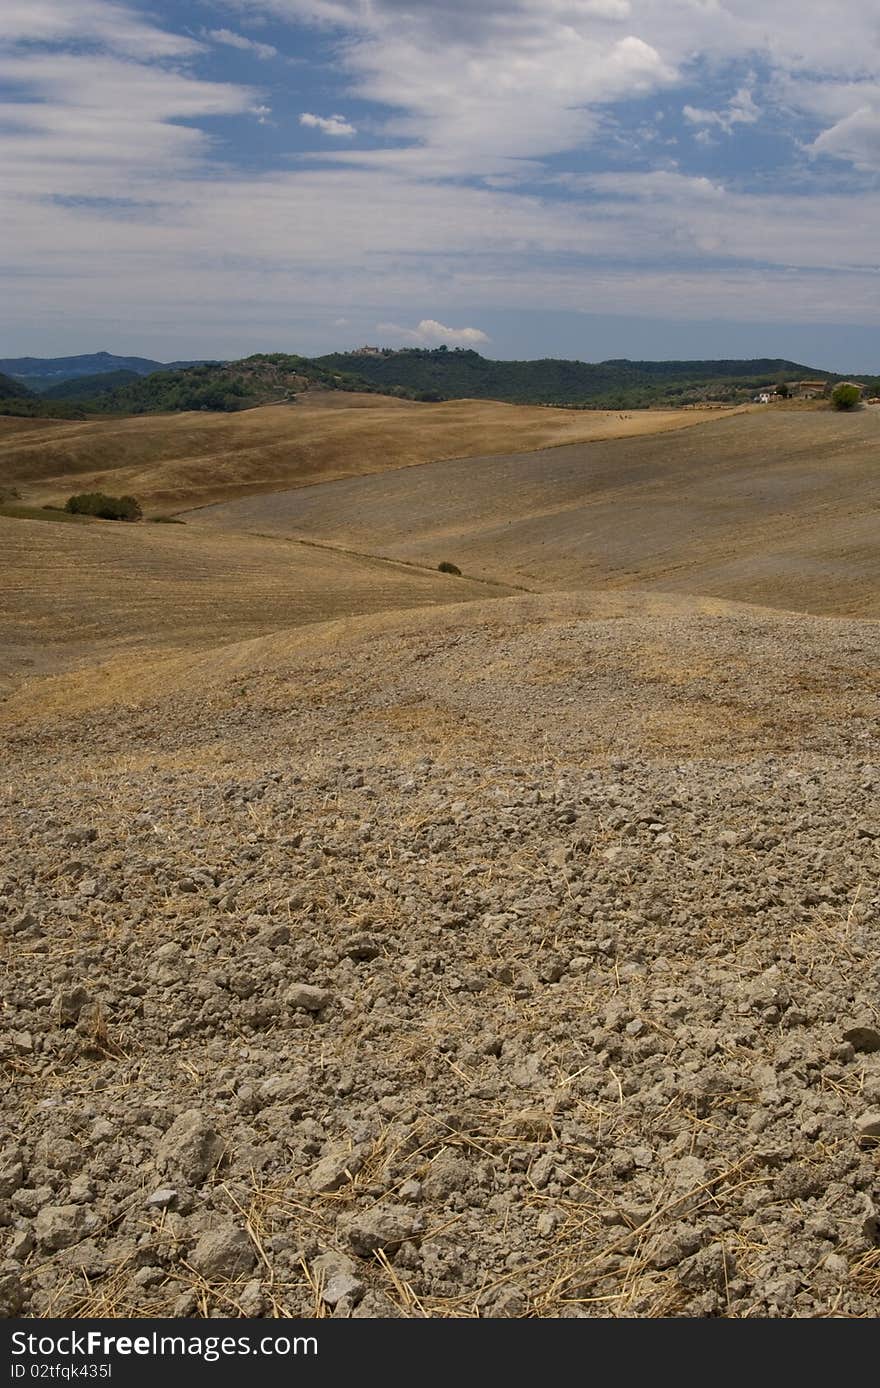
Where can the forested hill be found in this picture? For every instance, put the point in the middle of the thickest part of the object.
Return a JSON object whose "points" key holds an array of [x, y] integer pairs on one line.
{"points": [[442, 373], [413, 373], [12, 390]]}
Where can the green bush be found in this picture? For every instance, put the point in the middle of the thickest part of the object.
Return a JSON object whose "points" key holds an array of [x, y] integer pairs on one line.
{"points": [[845, 397], [447, 568], [120, 508]]}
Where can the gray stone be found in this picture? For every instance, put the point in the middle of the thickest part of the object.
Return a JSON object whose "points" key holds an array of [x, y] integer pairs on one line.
{"points": [[190, 1148], [307, 997], [59, 1226], [161, 1198], [68, 1004], [335, 1170], [385, 1227], [868, 1127], [337, 1278], [226, 1252]]}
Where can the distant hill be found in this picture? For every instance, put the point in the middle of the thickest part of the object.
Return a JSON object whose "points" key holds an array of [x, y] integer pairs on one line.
{"points": [[440, 373], [41, 373], [261, 379], [88, 387], [136, 385], [12, 390]]}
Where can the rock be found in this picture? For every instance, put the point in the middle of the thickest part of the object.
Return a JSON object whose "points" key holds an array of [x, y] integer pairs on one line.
{"points": [[337, 1278], [190, 1148], [273, 935], [20, 1245], [307, 997], [161, 1198], [385, 1227], [837, 1266], [672, 1247], [868, 1127], [251, 1299], [362, 947], [335, 1170], [709, 1268], [226, 1252], [19, 923], [446, 1174], [68, 1004], [11, 1178], [59, 1226], [12, 1295]]}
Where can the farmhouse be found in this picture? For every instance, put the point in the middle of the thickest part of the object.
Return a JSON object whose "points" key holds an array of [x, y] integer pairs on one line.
{"points": [[810, 390]]}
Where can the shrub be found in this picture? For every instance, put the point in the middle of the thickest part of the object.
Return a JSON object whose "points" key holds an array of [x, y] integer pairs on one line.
{"points": [[121, 508], [447, 568], [845, 397]]}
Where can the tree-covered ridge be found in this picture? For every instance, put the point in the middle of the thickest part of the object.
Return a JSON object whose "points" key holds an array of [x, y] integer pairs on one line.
{"points": [[12, 390], [264, 378], [87, 387], [440, 373], [412, 373], [16, 399]]}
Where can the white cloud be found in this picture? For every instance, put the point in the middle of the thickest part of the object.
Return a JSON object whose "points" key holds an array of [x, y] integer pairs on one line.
{"points": [[856, 138], [109, 145], [111, 25], [740, 110], [482, 86], [431, 333], [105, 126], [328, 125], [233, 40]]}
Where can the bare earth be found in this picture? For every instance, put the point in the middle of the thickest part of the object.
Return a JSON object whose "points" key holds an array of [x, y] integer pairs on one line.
{"points": [[777, 508], [384, 943]]}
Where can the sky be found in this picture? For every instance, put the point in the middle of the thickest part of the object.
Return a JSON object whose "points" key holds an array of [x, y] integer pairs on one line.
{"points": [[587, 178]]}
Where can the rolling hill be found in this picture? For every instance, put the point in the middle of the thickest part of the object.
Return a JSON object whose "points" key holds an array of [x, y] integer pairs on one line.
{"points": [[512, 954], [173, 461], [778, 508]]}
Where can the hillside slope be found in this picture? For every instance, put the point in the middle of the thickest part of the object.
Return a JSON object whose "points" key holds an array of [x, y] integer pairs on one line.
{"points": [[527, 938], [175, 461], [777, 508]]}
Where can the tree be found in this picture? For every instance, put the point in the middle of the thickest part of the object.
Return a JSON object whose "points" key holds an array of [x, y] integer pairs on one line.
{"points": [[845, 396], [783, 391]]}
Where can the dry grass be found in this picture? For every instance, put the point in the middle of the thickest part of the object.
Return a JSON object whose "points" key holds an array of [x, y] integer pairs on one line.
{"points": [[170, 462], [78, 594]]}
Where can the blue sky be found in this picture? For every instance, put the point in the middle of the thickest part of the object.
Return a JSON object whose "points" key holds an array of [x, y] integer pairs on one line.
{"points": [[592, 178]]}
